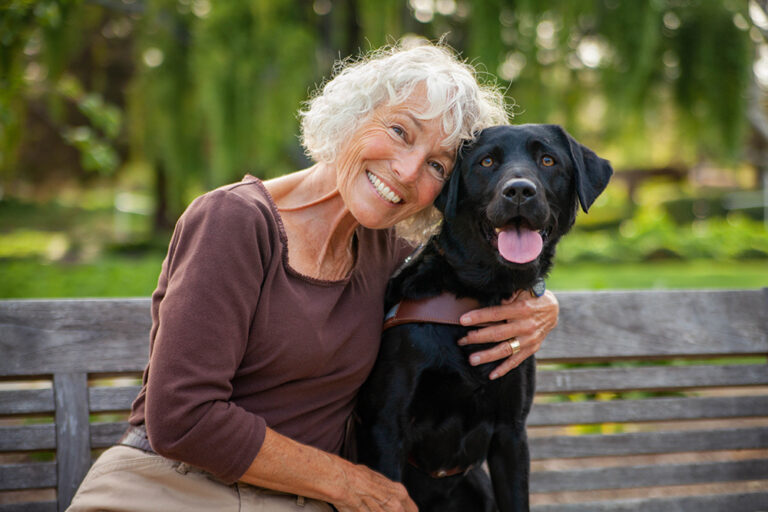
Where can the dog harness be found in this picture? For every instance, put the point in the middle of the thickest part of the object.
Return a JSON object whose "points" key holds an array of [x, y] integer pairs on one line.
{"points": [[445, 308]]}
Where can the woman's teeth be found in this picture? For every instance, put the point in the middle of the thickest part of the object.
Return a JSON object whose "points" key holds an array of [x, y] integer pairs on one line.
{"points": [[383, 190]]}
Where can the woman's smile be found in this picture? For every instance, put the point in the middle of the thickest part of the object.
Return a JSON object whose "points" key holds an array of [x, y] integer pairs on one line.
{"points": [[382, 189], [394, 165]]}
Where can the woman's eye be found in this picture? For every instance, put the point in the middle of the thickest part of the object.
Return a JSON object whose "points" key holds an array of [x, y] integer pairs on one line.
{"points": [[547, 161], [486, 162], [438, 168], [398, 131]]}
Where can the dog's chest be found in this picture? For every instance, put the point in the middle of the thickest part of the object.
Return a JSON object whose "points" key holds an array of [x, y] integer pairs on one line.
{"points": [[450, 415]]}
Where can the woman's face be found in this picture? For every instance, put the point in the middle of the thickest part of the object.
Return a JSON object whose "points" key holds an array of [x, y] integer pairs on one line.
{"points": [[394, 165]]}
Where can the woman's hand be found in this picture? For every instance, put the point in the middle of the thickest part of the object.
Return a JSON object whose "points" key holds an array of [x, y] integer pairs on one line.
{"points": [[368, 490], [285, 465], [525, 318]]}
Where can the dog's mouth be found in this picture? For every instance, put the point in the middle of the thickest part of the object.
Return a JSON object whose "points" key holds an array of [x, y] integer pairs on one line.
{"points": [[518, 241]]}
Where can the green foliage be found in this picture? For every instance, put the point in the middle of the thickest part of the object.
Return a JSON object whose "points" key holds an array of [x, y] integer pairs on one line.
{"points": [[217, 91], [103, 116], [96, 154], [621, 71], [213, 87], [39, 40], [712, 102], [652, 235]]}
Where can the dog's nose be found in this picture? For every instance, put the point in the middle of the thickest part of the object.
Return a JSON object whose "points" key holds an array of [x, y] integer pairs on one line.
{"points": [[519, 190]]}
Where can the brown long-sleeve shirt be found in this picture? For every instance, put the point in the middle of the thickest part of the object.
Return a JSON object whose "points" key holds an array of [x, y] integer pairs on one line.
{"points": [[241, 341]]}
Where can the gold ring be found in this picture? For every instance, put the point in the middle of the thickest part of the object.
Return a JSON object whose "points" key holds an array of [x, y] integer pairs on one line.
{"points": [[514, 345]]}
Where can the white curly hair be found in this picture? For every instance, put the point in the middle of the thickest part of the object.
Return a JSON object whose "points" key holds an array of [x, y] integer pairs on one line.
{"points": [[389, 75]]}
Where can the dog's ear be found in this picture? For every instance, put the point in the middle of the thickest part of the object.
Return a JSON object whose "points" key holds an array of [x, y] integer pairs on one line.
{"points": [[592, 173], [448, 199]]}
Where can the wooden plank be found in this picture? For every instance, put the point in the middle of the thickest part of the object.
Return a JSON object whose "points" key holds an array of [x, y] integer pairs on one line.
{"points": [[654, 409], [650, 378], [26, 401], [639, 324], [35, 506], [747, 502], [104, 435], [648, 443], [31, 475], [109, 399], [648, 476], [27, 437], [73, 456], [84, 335], [41, 336]]}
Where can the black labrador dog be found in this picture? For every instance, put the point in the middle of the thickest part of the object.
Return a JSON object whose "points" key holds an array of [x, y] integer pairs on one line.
{"points": [[426, 417]]}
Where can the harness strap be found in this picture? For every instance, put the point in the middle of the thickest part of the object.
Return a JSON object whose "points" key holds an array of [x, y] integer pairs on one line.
{"points": [[445, 308], [441, 309]]}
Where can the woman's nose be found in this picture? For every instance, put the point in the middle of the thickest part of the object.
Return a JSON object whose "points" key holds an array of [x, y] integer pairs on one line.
{"points": [[409, 166]]}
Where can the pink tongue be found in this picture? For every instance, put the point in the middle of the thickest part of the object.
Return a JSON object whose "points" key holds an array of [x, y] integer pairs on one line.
{"points": [[520, 245]]}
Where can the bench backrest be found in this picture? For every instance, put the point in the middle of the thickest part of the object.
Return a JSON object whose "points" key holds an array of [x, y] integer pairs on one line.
{"points": [[647, 400]]}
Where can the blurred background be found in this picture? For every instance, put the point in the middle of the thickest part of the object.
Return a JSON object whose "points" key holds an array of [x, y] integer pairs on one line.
{"points": [[115, 114]]}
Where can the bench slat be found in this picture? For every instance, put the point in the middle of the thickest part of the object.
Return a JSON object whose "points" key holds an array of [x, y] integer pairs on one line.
{"points": [[648, 476], [650, 378], [109, 399], [657, 323], [27, 438], [648, 443], [26, 401], [43, 336], [28, 475], [104, 435], [748, 502], [654, 409], [40, 337], [35, 506]]}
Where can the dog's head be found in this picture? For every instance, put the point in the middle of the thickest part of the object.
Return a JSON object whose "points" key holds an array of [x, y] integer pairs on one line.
{"points": [[516, 190]]}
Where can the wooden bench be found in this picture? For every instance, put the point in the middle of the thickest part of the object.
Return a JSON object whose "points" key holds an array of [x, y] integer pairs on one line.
{"points": [[677, 421]]}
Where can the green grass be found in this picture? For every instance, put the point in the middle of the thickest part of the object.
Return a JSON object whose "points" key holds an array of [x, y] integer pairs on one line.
{"points": [[136, 276], [114, 276], [660, 275]]}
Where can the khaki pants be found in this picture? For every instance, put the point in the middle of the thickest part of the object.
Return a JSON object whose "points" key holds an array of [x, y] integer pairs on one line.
{"points": [[127, 479]]}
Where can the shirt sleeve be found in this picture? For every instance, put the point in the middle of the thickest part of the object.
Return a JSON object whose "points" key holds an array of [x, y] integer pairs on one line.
{"points": [[215, 268]]}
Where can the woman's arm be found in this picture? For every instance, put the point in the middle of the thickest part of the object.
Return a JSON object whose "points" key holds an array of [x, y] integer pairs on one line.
{"points": [[525, 317], [286, 465]]}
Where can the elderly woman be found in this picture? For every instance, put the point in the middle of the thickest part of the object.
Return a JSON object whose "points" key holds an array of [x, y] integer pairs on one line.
{"points": [[268, 310]]}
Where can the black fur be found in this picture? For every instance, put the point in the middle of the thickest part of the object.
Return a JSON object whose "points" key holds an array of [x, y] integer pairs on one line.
{"points": [[424, 408]]}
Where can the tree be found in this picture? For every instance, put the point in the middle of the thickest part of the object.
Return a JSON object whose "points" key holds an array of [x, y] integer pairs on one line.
{"points": [[215, 85]]}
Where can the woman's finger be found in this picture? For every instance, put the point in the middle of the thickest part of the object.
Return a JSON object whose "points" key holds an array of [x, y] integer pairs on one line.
{"points": [[497, 332], [508, 309], [527, 321]]}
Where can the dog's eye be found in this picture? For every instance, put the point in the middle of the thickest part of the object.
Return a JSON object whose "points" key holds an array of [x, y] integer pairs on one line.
{"points": [[486, 162], [547, 161]]}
